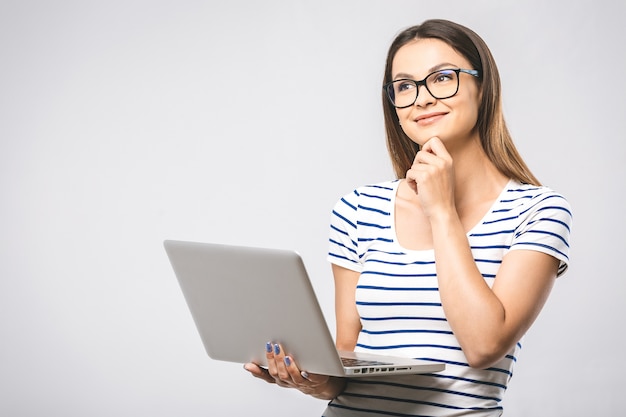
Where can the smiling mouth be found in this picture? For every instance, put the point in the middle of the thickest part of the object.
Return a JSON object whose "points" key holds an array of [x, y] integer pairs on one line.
{"points": [[429, 118]]}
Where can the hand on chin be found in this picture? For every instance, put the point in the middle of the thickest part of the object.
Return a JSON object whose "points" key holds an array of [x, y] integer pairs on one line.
{"points": [[422, 135], [422, 139]]}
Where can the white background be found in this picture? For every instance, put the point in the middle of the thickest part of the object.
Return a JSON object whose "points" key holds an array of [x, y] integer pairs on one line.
{"points": [[123, 123]]}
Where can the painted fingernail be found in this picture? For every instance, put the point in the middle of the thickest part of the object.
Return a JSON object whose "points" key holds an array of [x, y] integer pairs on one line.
{"points": [[268, 347], [287, 361], [276, 349], [304, 375]]}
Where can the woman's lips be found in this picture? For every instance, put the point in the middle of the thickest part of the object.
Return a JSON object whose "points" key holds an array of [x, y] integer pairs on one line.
{"points": [[428, 119]]}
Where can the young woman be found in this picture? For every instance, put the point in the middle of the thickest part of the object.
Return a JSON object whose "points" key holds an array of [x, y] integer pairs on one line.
{"points": [[451, 262]]}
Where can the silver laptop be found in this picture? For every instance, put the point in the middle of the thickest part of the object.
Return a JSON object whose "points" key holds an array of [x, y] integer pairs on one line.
{"points": [[241, 297]]}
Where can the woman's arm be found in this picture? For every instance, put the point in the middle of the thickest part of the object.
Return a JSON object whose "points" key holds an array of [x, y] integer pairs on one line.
{"points": [[346, 314], [487, 322]]}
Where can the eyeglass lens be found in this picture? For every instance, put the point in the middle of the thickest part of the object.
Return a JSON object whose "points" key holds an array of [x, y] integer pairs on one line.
{"points": [[440, 84]]}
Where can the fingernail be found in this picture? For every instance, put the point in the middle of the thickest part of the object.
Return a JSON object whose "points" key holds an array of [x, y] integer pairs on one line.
{"points": [[268, 347], [287, 361], [304, 375], [276, 349]]}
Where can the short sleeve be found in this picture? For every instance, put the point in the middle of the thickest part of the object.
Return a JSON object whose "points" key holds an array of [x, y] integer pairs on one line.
{"points": [[343, 240], [546, 228]]}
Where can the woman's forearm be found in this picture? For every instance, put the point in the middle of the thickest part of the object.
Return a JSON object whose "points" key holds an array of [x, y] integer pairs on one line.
{"points": [[474, 312]]}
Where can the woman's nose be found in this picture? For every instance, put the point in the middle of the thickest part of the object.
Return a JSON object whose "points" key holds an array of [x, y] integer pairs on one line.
{"points": [[424, 97]]}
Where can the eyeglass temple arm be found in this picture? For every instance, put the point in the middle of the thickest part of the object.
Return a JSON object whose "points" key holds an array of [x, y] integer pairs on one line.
{"points": [[475, 73]]}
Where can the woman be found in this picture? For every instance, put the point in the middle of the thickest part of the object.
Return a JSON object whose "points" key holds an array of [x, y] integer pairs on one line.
{"points": [[453, 261]]}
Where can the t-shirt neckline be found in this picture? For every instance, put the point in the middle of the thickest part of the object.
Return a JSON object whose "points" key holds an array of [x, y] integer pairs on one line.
{"points": [[487, 214]]}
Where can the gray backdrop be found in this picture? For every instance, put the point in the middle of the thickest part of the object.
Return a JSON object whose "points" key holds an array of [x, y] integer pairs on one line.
{"points": [[123, 123]]}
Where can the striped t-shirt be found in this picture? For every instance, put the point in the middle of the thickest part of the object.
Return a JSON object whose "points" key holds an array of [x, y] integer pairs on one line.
{"points": [[398, 300]]}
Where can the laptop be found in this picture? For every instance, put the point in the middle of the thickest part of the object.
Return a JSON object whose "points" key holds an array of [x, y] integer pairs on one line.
{"points": [[242, 297]]}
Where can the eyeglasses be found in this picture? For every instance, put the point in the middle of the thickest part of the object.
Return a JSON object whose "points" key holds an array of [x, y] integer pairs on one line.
{"points": [[440, 84]]}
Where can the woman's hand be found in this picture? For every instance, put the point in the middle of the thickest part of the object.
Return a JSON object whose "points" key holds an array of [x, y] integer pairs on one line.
{"points": [[432, 177], [283, 371]]}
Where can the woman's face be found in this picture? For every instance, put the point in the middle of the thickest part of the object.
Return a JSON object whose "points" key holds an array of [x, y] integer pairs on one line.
{"points": [[451, 119]]}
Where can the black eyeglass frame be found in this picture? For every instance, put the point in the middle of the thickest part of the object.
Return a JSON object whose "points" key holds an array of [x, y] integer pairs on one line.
{"points": [[472, 72]]}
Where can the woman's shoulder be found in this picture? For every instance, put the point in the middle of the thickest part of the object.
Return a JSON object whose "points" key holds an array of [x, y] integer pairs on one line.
{"points": [[370, 195], [529, 195]]}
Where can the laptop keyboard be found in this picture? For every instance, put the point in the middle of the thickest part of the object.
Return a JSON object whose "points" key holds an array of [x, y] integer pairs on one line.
{"points": [[361, 362]]}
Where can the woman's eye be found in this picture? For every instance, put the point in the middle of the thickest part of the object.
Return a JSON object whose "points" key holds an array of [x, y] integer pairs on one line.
{"points": [[443, 76], [404, 86]]}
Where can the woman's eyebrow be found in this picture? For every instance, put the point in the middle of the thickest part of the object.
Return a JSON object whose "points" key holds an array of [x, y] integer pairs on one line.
{"points": [[442, 66], [402, 75]]}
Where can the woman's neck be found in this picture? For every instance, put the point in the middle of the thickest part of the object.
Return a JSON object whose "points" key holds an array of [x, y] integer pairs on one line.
{"points": [[476, 178]]}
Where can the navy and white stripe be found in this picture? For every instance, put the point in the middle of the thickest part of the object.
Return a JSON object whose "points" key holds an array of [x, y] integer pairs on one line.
{"points": [[398, 299]]}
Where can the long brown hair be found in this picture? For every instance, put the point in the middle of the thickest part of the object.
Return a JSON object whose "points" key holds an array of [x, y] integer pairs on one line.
{"points": [[494, 134]]}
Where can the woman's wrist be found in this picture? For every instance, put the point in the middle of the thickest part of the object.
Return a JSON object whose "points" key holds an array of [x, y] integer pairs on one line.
{"points": [[333, 387]]}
